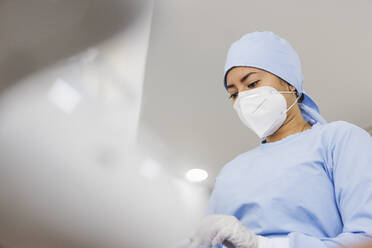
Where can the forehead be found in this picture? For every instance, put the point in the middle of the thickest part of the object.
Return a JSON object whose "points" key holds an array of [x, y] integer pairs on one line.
{"points": [[239, 71], [236, 73]]}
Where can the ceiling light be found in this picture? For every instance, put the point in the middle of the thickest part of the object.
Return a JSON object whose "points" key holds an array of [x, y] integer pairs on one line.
{"points": [[196, 175]]}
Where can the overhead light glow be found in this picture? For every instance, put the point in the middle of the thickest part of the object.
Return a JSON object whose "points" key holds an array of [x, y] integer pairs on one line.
{"points": [[196, 175], [150, 169]]}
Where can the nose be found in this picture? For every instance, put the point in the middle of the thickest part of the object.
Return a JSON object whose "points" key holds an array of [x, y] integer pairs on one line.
{"points": [[241, 88]]}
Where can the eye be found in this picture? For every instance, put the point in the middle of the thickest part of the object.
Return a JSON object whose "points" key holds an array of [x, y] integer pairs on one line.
{"points": [[233, 95], [252, 85]]}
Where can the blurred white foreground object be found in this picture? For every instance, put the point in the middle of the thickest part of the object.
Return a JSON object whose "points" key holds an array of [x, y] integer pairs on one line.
{"points": [[79, 180]]}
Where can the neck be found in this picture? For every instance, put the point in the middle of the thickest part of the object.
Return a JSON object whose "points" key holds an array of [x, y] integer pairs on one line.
{"points": [[294, 123]]}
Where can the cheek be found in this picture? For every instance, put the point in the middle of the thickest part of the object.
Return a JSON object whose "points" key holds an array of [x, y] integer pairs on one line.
{"points": [[277, 84], [290, 99], [271, 83], [287, 99]]}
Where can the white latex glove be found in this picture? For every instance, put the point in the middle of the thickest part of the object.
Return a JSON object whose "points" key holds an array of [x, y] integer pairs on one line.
{"points": [[226, 229]]}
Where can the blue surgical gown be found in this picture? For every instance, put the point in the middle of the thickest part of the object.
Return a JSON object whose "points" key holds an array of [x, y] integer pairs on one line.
{"points": [[313, 187]]}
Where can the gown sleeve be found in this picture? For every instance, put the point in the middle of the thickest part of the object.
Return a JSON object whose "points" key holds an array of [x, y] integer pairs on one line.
{"points": [[349, 161]]}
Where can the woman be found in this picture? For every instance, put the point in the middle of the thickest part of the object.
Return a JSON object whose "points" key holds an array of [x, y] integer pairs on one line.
{"points": [[308, 183]]}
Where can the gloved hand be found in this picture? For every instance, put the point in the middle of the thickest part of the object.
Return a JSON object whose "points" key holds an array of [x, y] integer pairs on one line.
{"points": [[217, 229]]}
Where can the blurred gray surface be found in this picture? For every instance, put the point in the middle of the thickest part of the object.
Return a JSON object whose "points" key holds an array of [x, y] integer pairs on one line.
{"points": [[38, 33]]}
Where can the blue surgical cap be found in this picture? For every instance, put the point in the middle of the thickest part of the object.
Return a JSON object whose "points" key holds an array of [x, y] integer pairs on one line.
{"points": [[269, 52]]}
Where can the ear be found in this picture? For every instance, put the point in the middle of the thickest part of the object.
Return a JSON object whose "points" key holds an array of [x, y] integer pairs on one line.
{"points": [[291, 87]]}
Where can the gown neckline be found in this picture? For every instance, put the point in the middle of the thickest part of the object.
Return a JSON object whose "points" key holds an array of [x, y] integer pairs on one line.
{"points": [[289, 137]]}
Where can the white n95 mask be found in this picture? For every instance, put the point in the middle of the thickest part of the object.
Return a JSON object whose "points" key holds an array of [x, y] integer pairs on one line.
{"points": [[262, 109]]}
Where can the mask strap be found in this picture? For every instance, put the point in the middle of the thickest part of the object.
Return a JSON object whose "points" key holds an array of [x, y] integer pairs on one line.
{"points": [[286, 91], [292, 103]]}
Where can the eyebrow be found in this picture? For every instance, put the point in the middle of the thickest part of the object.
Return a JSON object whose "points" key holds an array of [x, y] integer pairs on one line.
{"points": [[242, 80]]}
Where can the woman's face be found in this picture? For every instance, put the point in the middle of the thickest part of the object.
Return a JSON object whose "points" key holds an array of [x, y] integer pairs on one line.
{"points": [[244, 78]]}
